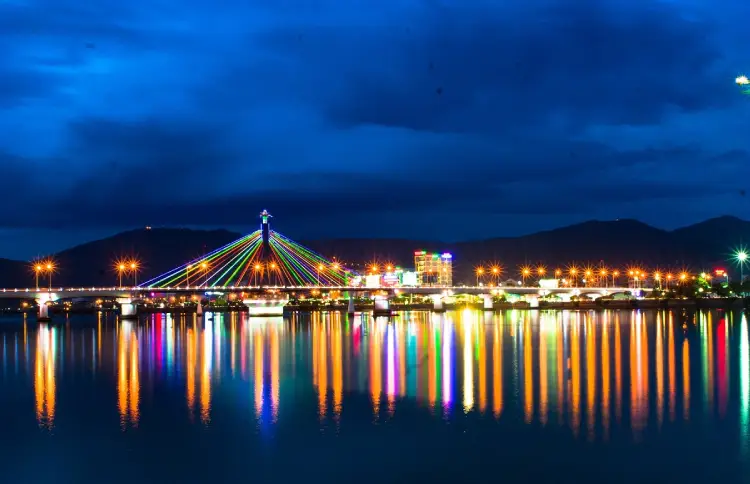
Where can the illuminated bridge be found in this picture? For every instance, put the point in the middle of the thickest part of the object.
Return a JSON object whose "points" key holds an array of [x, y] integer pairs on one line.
{"points": [[265, 268]]}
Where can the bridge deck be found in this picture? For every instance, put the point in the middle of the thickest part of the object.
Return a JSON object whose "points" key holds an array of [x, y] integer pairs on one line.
{"points": [[85, 292]]}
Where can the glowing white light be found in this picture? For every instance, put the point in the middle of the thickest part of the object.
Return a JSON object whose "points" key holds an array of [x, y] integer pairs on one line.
{"points": [[742, 80]]}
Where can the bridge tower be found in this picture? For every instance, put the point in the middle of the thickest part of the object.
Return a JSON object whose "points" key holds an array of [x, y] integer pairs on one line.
{"points": [[265, 229]]}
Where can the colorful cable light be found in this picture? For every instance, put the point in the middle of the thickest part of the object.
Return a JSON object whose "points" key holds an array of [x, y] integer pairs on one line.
{"points": [[244, 262]]}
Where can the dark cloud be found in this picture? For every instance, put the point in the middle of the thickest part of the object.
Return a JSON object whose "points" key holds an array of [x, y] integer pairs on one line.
{"points": [[184, 114], [466, 69]]}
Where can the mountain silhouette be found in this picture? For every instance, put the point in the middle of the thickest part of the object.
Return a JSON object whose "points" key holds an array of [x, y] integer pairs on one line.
{"points": [[620, 243]]}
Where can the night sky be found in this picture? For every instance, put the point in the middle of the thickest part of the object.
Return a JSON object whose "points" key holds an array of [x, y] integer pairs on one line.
{"points": [[450, 120]]}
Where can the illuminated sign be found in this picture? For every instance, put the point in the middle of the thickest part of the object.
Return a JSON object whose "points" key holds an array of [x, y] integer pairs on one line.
{"points": [[390, 280], [409, 279], [548, 283], [372, 281], [447, 255]]}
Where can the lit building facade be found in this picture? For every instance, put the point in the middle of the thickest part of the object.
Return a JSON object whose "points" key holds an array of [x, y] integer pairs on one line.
{"points": [[433, 269]]}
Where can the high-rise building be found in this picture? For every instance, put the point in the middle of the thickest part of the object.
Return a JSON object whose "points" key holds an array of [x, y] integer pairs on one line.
{"points": [[433, 269]]}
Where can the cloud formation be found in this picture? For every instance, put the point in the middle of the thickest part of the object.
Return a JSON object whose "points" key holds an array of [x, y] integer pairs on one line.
{"points": [[511, 116]]}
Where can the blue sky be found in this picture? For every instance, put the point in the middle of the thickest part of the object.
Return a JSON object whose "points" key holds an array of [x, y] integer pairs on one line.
{"points": [[426, 119]]}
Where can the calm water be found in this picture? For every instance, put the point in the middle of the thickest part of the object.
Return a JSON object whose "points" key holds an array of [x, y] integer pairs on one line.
{"points": [[552, 396]]}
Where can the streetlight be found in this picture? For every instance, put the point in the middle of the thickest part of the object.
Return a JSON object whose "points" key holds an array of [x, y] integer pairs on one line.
{"points": [[320, 268], [496, 274], [558, 273], [479, 272], [257, 268], [615, 275], [525, 272], [121, 267], [204, 268], [603, 274], [573, 271], [50, 268], [37, 269], [740, 256], [134, 269]]}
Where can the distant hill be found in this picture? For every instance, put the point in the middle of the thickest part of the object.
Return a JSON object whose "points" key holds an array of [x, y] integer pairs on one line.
{"points": [[617, 243]]}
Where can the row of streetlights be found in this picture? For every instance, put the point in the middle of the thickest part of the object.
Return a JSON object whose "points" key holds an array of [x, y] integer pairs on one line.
{"points": [[130, 266], [41, 267], [636, 277], [49, 266]]}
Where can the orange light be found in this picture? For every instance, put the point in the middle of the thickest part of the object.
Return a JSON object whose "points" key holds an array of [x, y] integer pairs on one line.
{"points": [[496, 270], [257, 267]]}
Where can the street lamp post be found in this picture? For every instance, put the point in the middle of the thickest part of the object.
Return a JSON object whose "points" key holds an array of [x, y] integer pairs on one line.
{"points": [[134, 270], [741, 257], [320, 268], [37, 269], [204, 267], [49, 268], [120, 270]]}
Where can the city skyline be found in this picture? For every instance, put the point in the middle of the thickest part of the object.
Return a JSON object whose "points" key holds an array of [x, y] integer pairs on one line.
{"points": [[447, 121]]}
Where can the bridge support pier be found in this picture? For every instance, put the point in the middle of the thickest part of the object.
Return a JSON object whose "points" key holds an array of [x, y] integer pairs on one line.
{"points": [[128, 309], [488, 303], [199, 308], [382, 306], [350, 309], [533, 301], [437, 303], [42, 314]]}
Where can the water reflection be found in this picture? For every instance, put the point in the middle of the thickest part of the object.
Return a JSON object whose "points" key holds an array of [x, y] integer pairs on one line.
{"points": [[588, 372], [44, 375], [128, 375]]}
